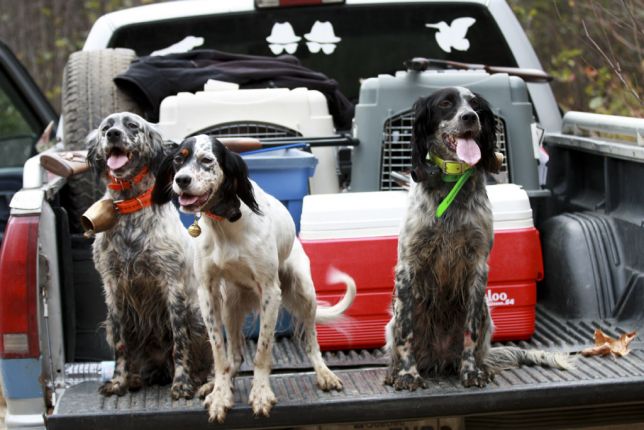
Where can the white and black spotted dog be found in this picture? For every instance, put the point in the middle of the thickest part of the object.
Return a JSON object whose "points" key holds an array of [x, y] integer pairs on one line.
{"points": [[441, 322], [248, 259], [146, 264]]}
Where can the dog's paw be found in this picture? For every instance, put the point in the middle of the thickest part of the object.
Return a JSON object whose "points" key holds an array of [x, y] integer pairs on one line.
{"points": [[219, 402], [328, 380], [476, 377], [115, 386], [205, 389], [261, 399], [135, 382], [410, 381], [182, 387]]}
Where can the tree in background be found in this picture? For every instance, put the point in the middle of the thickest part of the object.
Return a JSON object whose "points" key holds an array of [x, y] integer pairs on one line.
{"points": [[42, 34], [592, 47]]}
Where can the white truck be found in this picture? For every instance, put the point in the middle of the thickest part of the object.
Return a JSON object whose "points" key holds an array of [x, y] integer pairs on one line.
{"points": [[587, 208]]}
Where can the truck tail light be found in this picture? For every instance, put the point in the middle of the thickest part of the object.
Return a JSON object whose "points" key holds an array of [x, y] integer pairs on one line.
{"points": [[18, 289], [264, 4]]}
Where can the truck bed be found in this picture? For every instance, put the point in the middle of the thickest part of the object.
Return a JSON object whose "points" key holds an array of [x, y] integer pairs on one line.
{"points": [[537, 397]]}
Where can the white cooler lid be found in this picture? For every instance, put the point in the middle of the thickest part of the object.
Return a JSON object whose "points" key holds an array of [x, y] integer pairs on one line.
{"points": [[380, 213]]}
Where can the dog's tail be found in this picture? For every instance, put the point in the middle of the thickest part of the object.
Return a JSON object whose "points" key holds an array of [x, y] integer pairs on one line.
{"points": [[507, 357], [329, 314]]}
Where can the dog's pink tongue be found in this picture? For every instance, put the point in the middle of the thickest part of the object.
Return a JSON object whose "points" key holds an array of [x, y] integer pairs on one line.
{"points": [[187, 200], [467, 150], [115, 162]]}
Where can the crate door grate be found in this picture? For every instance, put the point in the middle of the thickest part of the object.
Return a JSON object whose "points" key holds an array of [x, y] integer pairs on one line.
{"points": [[259, 130]]}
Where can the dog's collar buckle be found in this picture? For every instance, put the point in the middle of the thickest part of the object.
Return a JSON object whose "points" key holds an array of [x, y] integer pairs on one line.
{"points": [[125, 184], [142, 201]]}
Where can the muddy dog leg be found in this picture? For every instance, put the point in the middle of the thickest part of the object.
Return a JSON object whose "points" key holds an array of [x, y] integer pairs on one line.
{"points": [[120, 379], [220, 399], [403, 373], [182, 384], [261, 396], [476, 339], [234, 320]]}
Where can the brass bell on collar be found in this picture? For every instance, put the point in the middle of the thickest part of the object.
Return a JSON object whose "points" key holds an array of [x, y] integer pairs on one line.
{"points": [[101, 216], [194, 230]]}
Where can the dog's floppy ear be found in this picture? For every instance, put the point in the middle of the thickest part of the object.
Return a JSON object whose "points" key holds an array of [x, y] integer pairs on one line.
{"points": [[94, 158], [235, 187], [487, 138], [160, 148], [164, 175], [420, 144]]}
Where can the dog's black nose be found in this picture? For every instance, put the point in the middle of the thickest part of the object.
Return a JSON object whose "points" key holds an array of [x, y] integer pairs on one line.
{"points": [[113, 134], [468, 117], [183, 181]]}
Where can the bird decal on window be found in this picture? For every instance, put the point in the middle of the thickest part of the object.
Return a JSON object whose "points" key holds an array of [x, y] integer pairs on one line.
{"points": [[453, 35]]}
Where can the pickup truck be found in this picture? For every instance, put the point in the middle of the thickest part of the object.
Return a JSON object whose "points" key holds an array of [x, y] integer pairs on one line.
{"points": [[587, 206]]}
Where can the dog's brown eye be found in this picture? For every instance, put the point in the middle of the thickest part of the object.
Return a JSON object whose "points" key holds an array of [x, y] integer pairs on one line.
{"points": [[104, 129], [474, 103], [132, 125], [445, 104], [207, 160], [179, 159]]}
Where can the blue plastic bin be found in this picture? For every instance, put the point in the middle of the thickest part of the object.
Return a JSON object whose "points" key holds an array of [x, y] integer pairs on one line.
{"points": [[284, 174]]}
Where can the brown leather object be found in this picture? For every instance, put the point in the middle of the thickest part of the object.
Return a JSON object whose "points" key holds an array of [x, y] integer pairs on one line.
{"points": [[241, 144], [66, 163]]}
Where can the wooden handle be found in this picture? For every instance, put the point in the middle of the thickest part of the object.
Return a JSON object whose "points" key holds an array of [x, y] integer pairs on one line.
{"points": [[241, 144], [66, 163]]}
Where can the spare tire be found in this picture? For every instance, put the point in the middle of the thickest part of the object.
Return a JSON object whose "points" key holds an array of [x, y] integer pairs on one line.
{"points": [[89, 95]]}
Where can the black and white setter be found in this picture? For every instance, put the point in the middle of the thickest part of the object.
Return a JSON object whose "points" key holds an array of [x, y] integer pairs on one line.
{"points": [[441, 322], [146, 264], [248, 259]]}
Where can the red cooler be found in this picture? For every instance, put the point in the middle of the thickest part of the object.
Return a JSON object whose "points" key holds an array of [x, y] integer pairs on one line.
{"points": [[357, 233]]}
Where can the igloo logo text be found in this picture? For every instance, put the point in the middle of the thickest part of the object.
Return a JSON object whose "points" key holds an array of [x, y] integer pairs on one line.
{"points": [[498, 298]]}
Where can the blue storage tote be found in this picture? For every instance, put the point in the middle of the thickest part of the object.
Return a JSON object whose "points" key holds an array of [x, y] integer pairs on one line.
{"points": [[284, 174]]}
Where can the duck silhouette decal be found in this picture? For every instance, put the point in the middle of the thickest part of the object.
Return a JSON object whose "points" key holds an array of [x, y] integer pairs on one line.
{"points": [[453, 35]]}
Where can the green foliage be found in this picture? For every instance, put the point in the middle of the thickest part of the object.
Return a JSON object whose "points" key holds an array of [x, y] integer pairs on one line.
{"points": [[593, 50], [600, 71]]}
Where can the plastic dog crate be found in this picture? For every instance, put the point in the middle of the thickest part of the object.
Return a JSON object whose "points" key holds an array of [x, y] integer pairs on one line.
{"points": [[384, 121], [225, 111], [358, 234]]}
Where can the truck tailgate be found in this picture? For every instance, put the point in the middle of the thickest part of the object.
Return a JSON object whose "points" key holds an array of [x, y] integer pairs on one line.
{"points": [[531, 390]]}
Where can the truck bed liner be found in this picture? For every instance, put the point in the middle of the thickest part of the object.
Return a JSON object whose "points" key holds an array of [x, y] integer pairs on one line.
{"points": [[592, 382]]}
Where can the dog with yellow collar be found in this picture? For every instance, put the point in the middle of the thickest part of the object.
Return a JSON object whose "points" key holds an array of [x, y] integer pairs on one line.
{"points": [[441, 323]]}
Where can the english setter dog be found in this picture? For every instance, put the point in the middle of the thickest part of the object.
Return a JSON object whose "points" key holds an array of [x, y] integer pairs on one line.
{"points": [[441, 323], [146, 264], [248, 259]]}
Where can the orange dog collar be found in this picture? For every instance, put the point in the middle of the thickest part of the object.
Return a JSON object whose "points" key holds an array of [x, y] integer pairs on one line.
{"points": [[124, 184], [124, 207]]}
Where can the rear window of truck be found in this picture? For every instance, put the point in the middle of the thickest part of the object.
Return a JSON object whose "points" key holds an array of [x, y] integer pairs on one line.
{"points": [[346, 42]]}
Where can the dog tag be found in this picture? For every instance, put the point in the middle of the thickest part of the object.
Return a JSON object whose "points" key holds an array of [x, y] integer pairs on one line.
{"points": [[194, 230]]}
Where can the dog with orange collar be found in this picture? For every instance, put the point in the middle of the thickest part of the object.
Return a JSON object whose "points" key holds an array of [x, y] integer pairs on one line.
{"points": [[145, 260]]}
